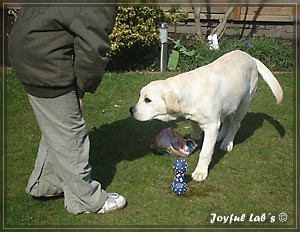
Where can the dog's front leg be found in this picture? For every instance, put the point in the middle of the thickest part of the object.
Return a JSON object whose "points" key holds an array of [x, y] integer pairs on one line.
{"points": [[210, 136]]}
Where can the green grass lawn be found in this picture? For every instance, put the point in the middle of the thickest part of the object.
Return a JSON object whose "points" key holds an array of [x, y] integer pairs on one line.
{"points": [[255, 178]]}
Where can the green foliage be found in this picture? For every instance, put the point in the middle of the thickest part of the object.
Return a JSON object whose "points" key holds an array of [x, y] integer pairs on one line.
{"points": [[135, 25], [175, 15], [276, 54], [173, 60], [174, 55], [135, 38], [139, 26]]}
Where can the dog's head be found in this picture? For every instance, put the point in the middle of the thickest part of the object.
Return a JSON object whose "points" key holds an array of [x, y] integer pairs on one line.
{"points": [[156, 101]]}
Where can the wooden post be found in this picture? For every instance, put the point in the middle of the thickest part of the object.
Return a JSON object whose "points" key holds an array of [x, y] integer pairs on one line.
{"points": [[236, 13], [197, 11]]}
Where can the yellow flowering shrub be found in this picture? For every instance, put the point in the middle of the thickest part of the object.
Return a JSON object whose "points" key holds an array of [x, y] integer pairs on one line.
{"points": [[139, 25], [135, 25]]}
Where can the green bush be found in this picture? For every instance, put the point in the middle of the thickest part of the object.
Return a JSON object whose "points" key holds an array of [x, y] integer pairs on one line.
{"points": [[276, 54], [139, 25], [135, 26], [135, 37]]}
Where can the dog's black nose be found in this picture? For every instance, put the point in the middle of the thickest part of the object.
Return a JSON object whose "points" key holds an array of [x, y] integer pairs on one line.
{"points": [[132, 110]]}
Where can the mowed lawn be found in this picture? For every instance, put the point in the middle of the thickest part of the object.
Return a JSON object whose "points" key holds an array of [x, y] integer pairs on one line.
{"points": [[254, 182]]}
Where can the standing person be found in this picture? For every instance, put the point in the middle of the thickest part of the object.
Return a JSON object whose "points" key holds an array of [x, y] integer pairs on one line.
{"points": [[58, 54]]}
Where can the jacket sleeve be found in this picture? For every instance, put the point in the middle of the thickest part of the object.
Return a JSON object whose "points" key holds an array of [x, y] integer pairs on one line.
{"points": [[91, 31]]}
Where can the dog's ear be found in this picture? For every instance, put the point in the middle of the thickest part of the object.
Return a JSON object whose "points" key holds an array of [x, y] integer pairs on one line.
{"points": [[171, 102]]}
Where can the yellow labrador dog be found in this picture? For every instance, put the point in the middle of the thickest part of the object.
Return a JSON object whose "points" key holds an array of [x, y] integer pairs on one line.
{"points": [[220, 90]]}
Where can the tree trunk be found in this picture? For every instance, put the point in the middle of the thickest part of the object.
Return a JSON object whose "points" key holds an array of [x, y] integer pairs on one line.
{"points": [[197, 11]]}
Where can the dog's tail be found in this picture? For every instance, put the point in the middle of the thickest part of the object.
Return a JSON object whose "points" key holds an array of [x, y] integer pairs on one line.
{"points": [[270, 80]]}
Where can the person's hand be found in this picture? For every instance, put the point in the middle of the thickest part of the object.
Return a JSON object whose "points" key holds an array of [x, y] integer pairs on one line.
{"points": [[80, 103]]}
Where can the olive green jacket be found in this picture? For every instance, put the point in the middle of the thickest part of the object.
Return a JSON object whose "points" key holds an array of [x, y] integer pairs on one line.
{"points": [[54, 50]]}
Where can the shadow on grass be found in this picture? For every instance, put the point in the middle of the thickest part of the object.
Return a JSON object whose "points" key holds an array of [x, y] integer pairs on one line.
{"points": [[125, 139], [129, 139], [249, 125]]}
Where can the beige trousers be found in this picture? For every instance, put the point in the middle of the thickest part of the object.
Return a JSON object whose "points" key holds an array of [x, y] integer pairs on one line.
{"points": [[62, 163]]}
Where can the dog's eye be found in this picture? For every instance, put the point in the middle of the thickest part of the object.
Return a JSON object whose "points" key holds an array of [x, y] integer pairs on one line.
{"points": [[147, 100]]}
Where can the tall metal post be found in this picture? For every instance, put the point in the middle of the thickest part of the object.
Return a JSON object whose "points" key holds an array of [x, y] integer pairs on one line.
{"points": [[163, 35]]}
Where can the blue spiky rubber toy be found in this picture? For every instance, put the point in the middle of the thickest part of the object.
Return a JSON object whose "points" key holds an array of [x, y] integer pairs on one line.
{"points": [[179, 186]]}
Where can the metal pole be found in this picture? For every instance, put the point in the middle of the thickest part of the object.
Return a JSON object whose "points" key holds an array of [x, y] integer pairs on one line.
{"points": [[163, 57], [163, 34]]}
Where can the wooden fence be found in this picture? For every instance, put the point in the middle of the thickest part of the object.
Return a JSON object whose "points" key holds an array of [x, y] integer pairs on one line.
{"points": [[273, 21], [256, 13]]}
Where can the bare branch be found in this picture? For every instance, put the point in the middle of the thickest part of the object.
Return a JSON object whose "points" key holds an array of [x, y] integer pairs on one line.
{"points": [[220, 29]]}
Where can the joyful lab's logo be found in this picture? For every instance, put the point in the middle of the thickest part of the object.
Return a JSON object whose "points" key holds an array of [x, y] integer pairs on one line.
{"points": [[230, 219]]}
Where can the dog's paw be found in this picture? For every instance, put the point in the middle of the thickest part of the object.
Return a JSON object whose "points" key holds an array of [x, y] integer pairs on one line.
{"points": [[227, 146], [199, 176]]}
